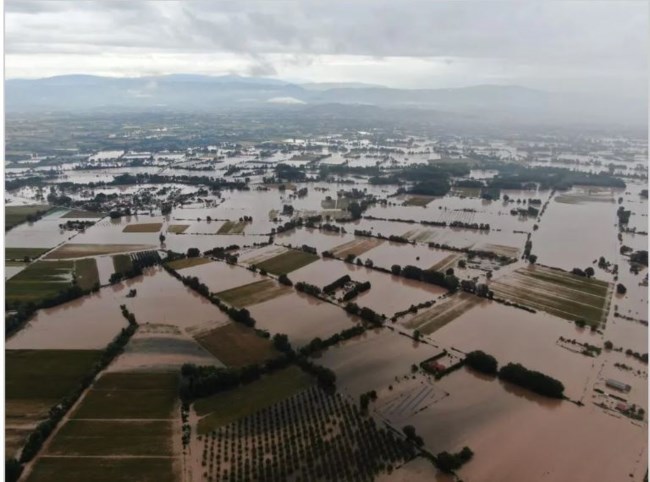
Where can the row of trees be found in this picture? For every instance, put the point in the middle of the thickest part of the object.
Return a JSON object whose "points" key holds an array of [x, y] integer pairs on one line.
{"points": [[517, 374]]}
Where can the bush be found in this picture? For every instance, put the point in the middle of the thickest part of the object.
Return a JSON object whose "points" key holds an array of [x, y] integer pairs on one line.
{"points": [[482, 362], [284, 279], [450, 462]]}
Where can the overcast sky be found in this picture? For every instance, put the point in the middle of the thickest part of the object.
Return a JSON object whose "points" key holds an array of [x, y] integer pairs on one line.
{"points": [[554, 45]]}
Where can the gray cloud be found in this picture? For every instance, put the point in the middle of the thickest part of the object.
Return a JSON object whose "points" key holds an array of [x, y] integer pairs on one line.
{"points": [[595, 43]]}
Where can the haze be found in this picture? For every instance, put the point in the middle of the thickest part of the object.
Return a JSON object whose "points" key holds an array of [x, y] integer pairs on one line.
{"points": [[588, 47]]}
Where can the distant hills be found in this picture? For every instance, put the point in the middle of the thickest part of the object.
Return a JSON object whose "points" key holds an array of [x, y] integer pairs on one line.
{"points": [[184, 92]]}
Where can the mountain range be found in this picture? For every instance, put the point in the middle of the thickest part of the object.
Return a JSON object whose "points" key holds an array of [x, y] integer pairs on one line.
{"points": [[185, 92]]}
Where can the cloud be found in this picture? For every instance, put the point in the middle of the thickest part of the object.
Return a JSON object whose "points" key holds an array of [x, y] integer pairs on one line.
{"points": [[285, 100], [571, 43]]}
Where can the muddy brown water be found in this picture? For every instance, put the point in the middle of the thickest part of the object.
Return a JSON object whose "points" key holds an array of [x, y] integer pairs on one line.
{"points": [[519, 436]]}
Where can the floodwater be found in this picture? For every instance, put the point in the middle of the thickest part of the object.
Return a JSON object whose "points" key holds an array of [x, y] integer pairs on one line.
{"points": [[374, 360], [518, 436], [220, 276], [513, 335], [162, 299], [87, 323], [574, 235], [302, 317], [388, 293]]}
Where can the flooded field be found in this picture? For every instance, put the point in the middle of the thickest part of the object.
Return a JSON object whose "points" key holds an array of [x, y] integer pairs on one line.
{"points": [[388, 293], [301, 317], [374, 360], [484, 413], [301, 347], [69, 326]]}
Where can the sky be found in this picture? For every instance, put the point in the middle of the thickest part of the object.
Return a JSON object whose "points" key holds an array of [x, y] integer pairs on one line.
{"points": [[588, 46]]}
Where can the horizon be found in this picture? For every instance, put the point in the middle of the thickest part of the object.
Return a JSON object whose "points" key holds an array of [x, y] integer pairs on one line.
{"points": [[554, 47]]}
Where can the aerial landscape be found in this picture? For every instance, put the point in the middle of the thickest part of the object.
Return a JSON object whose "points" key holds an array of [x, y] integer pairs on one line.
{"points": [[267, 274]]}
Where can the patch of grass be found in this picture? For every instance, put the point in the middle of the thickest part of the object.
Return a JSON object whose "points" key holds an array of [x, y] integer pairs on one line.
{"points": [[39, 281], [45, 374], [15, 215], [236, 345], [445, 263], [142, 228], [557, 292], [57, 469], [417, 200], [20, 253], [253, 293], [130, 395], [287, 262], [188, 262], [87, 273], [229, 406], [439, 315], [73, 250], [177, 228], [81, 214], [232, 227], [122, 263], [113, 437], [356, 247]]}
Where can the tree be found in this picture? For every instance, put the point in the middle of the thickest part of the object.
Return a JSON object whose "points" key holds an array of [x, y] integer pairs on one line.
{"points": [[621, 289], [609, 345], [13, 469], [355, 210], [396, 269], [281, 343], [589, 272], [532, 259], [417, 335], [284, 279], [482, 362], [193, 253], [162, 238]]}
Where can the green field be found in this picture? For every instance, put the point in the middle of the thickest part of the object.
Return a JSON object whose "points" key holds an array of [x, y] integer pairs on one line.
{"points": [[188, 262], [15, 215], [79, 250], [36, 380], [58, 469], [130, 396], [229, 406], [87, 273], [20, 253], [122, 263], [434, 318], [416, 200], [232, 227], [177, 228], [237, 345], [253, 293], [557, 292], [45, 279], [287, 262], [39, 281], [113, 437], [45, 374], [81, 214], [142, 228]]}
